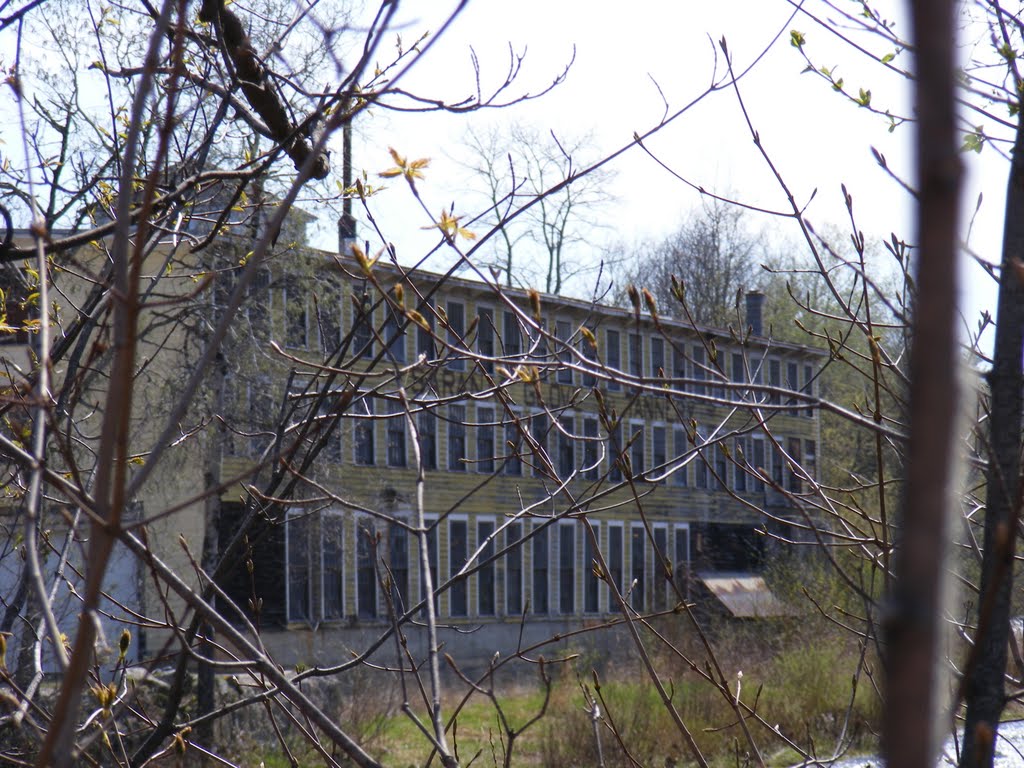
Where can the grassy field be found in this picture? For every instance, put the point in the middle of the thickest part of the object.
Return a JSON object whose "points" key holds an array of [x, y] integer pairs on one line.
{"points": [[798, 685]]}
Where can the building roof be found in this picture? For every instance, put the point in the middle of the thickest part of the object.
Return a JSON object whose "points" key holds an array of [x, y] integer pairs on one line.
{"points": [[744, 595]]}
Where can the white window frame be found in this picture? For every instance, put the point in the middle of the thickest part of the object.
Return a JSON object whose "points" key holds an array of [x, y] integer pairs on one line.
{"points": [[680, 366], [455, 340], [452, 570], [478, 463], [395, 413], [487, 365], [764, 472], [357, 535], [739, 463], [563, 354], [636, 367], [650, 357], [587, 574], [676, 529], [368, 416], [342, 518], [609, 604], [662, 468], [367, 318], [680, 447], [296, 514], [429, 520], [399, 344], [521, 544], [774, 396], [285, 304], [546, 532], [460, 422], [512, 423], [655, 579], [570, 416], [634, 425], [615, 367], [569, 525], [737, 377], [591, 471], [636, 525], [476, 580]]}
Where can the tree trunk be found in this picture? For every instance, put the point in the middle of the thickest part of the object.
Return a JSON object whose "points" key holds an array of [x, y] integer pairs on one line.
{"points": [[984, 686], [913, 647]]}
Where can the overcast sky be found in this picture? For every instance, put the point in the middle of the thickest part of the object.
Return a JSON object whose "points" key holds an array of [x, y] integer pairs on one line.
{"points": [[633, 63], [816, 139]]}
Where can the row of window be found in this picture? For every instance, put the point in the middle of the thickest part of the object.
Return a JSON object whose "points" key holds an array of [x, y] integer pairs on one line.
{"points": [[484, 441], [542, 567], [648, 356]]}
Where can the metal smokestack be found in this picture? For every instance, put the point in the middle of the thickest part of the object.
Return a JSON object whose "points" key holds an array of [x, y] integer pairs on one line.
{"points": [[347, 222]]}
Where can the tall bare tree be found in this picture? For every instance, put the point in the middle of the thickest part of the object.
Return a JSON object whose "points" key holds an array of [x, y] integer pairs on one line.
{"points": [[548, 237], [713, 255]]}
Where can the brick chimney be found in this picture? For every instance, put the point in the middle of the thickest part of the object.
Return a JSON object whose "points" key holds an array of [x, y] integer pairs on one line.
{"points": [[755, 305]]}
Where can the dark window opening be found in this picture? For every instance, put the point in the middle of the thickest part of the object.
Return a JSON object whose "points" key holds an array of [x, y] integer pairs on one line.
{"points": [[456, 330], [614, 449], [700, 373], [566, 448], [615, 560], [458, 552], [590, 448], [511, 338], [680, 445], [485, 333], [366, 573], [613, 356], [362, 439], [730, 548], [513, 444], [563, 330], [514, 569], [485, 576], [636, 452], [590, 582], [540, 425], [540, 571], [657, 356], [457, 438], [333, 554], [300, 583], [425, 344], [637, 552], [485, 440], [262, 543], [567, 568], [661, 574], [394, 337], [427, 422], [362, 332], [396, 436], [398, 564], [659, 450]]}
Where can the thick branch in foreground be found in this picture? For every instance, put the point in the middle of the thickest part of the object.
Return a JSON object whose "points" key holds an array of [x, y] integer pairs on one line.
{"points": [[913, 627], [252, 77]]}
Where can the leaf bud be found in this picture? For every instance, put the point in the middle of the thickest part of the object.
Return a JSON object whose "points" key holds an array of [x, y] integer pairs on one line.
{"points": [[535, 303], [634, 297], [124, 643], [652, 306]]}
